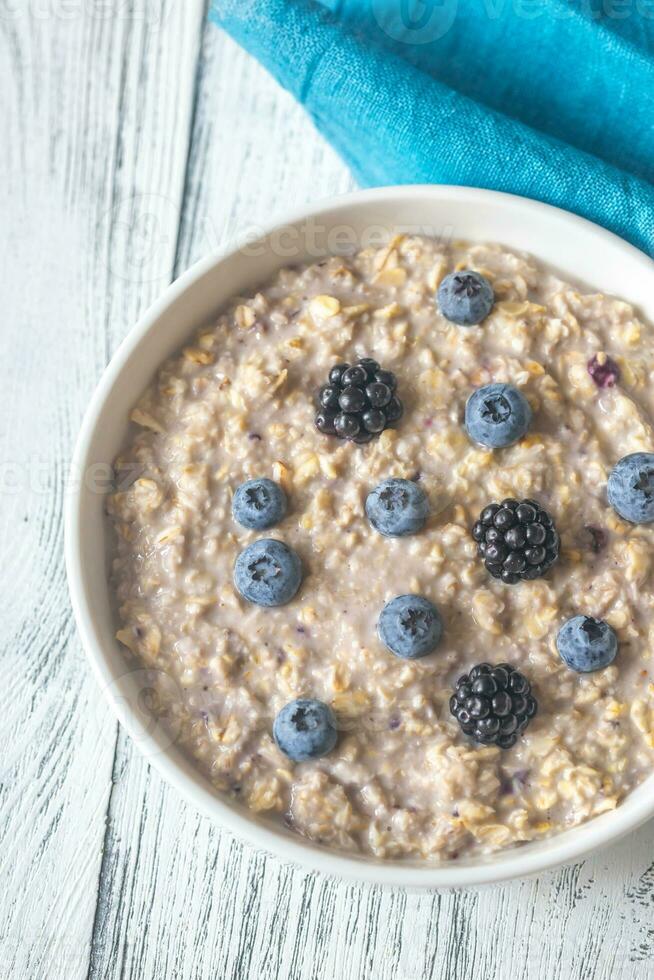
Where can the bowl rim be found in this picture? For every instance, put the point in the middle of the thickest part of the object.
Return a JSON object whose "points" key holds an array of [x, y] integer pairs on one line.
{"points": [[503, 865]]}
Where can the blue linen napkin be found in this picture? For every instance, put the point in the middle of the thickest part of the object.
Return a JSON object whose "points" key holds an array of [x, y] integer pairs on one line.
{"points": [[551, 99]]}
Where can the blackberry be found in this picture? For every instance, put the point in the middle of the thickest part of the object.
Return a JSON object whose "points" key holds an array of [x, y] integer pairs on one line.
{"points": [[517, 540], [358, 401], [493, 705]]}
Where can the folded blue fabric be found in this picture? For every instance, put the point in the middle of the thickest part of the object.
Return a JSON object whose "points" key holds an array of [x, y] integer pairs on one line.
{"points": [[552, 99]]}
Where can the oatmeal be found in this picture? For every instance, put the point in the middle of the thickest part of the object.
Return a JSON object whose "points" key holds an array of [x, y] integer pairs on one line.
{"points": [[237, 404]]}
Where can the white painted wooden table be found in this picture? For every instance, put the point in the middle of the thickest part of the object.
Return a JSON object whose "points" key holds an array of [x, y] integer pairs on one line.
{"points": [[135, 137]]}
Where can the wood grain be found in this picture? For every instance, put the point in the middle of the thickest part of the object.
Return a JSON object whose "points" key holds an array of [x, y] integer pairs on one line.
{"points": [[134, 144], [95, 110]]}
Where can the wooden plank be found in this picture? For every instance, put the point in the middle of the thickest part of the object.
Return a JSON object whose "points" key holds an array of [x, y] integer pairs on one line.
{"points": [[93, 108]]}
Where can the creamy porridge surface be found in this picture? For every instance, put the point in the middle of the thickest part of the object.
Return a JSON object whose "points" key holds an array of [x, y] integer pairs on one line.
{"points": [[237, 403]]}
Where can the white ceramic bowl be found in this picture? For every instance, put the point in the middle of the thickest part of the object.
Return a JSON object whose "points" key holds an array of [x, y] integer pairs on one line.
{"points": [[578, 248]]}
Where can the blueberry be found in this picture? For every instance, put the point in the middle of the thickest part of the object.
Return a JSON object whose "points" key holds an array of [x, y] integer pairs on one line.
{"points": [[410, 626], [631, 488], [305, 729], [396, 508], [497, 415], [586, 644], [258, 504], [465, 298], [267, 573], [603, 370]]}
